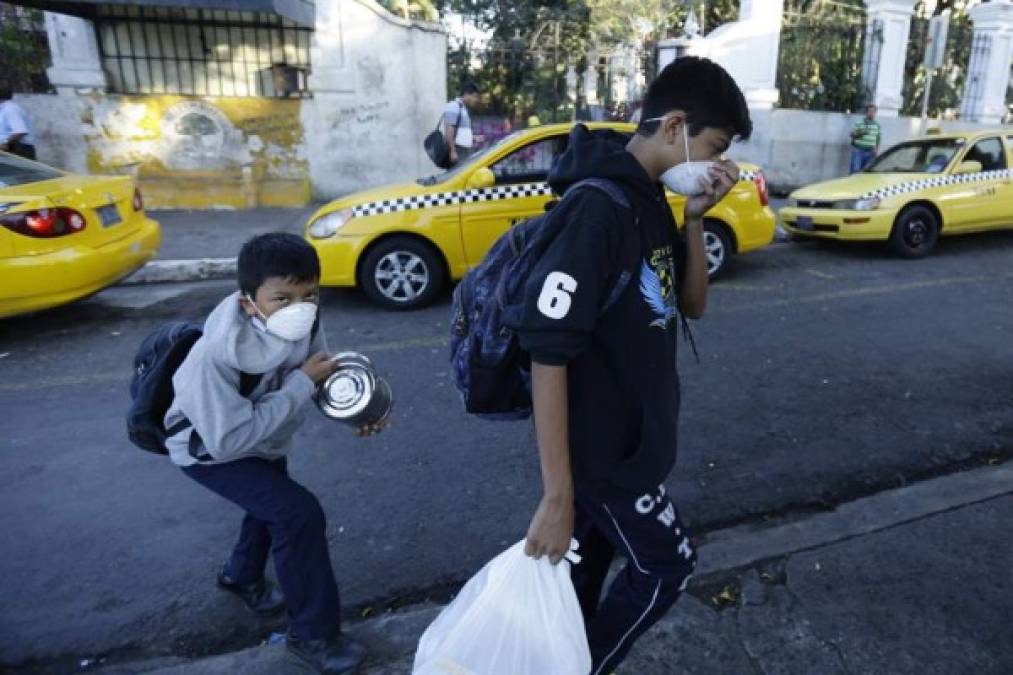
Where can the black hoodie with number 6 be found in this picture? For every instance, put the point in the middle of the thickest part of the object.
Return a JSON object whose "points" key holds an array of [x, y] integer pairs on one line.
{"points": [[622, 375]]}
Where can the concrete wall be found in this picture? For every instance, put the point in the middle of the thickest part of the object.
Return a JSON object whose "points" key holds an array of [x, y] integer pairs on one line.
{"points": [[185, 152], [379, 86], [796, 147], [378, 83]]}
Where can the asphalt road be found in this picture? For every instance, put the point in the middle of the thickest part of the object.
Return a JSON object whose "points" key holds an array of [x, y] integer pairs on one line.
{"points": [[827, 372]]}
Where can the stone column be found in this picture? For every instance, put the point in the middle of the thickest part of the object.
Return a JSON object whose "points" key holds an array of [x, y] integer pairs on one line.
{"points": [[332, 69], [591, 78], [895, 19], [73, 45], [757, 73], [991, 54]]}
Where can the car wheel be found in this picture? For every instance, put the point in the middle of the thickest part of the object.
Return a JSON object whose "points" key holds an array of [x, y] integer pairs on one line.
{"points": [[717, 246], [401, 273], [915, 233]]}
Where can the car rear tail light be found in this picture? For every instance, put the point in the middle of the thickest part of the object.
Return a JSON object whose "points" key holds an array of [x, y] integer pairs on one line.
{"points": [[138, 200], [761, 186], [44, 223]]}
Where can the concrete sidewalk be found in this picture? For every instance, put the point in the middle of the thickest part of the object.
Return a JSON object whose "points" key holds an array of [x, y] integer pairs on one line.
{"points": [[915, 580], [202, 245]]}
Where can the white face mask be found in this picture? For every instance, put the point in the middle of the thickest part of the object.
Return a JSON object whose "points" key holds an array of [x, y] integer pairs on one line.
{"points": [[291, 323], [684, 178]]}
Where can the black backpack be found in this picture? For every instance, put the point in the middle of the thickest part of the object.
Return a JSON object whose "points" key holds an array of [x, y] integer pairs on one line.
{"points": [[436, 143], [490, 369], [157, 360]]}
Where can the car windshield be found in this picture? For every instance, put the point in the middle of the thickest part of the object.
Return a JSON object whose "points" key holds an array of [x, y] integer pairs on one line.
{"points": [[17, 171], [917, 157], [464, 166]]}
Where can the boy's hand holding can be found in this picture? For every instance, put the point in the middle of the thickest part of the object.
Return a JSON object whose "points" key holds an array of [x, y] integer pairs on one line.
{"points": [[319, 367]]}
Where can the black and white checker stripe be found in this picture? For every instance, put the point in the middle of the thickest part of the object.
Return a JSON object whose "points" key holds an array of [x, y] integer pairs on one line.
{"points": [[937, 181], [399, 204], [450, 198]]}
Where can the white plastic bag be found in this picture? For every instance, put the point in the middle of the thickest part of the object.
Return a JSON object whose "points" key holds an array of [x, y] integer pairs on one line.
{"points": [[517, 616]]}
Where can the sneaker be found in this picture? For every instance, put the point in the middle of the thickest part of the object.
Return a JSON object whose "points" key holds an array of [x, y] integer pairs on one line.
{"points": [[336, 656], [261, 597]]}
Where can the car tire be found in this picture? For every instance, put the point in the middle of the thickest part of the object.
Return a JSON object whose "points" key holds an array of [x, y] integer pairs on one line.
{"points": [[402, 273], [915, 232], [718, 248]]}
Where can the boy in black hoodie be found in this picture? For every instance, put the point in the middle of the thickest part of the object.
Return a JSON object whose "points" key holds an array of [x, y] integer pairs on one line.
{"points": [[606, 386]]}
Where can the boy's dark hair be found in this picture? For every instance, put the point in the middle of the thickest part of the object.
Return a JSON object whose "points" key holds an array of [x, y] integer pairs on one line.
{"points": [[469, 88], [276, 254], [704, 91]]}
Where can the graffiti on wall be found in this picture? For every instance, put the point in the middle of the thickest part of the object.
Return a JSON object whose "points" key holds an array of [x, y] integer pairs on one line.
{"points": [[202, 152]]}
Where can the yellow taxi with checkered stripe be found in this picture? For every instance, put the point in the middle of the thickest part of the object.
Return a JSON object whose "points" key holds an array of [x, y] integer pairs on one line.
{"points": [[915, 192], [402, 243], [64, 236]]}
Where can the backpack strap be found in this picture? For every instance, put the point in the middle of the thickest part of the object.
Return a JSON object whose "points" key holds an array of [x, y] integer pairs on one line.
{"points": [[248, 383], [631, 244]]}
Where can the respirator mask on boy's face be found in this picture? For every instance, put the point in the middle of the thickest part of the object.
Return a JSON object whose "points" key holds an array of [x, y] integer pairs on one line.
{"points": [[291, 323], [685, 178]]}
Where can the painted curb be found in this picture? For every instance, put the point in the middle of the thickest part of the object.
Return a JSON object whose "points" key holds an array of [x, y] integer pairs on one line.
{"points": [[174, 271]]}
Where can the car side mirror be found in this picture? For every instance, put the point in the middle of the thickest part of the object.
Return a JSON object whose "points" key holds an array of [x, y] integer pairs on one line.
{"points": [[481, 178], [971, 166]]}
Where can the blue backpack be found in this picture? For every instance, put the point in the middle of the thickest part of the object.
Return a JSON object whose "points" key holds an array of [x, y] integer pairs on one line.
{"points": [[491, 370]]}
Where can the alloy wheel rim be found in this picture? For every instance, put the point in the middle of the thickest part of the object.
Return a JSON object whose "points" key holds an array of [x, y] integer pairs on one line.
{"points": [[401, 276]]}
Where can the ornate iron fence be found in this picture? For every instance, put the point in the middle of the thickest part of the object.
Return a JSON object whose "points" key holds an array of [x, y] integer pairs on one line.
{"points": [[948, 82], [822, 60]]}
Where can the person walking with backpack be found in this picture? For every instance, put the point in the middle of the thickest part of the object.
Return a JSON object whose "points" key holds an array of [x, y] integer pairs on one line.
{"points": [[604, 380], [239, 399], [457, 123]]}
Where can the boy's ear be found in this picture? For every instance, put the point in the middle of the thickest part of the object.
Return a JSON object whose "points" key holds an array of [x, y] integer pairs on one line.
{"points": [[673, 126], [246, 305]]}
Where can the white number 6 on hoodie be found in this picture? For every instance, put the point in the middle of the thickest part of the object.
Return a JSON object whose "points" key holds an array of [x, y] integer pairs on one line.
{"points": [[555, 299]]}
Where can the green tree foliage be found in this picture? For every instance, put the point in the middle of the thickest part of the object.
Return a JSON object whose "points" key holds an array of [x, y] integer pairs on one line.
{"points": [[522, 71], [947, 82], [24, 49], [821, 53]]}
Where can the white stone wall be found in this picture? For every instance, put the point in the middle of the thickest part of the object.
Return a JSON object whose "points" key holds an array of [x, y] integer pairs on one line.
{"points": [[379, 86], [796, 147]]}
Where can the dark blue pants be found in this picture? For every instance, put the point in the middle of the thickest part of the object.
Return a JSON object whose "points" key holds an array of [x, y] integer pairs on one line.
{"points": [[285, 519], [647, 531], [861, 158]]}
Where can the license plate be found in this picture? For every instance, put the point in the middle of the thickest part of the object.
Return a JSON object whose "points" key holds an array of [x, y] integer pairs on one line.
{"points": [[804, 223], [109, 215]]}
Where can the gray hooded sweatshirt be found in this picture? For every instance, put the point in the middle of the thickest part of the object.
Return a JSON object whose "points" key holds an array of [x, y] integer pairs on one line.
{"points": [[229, 426]]}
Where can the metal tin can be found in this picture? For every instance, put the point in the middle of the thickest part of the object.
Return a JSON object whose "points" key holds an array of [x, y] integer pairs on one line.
{"points": [[354, 394]]}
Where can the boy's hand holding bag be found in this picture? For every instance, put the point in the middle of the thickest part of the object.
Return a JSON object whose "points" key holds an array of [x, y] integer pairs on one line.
{"points": [[517, 616]]}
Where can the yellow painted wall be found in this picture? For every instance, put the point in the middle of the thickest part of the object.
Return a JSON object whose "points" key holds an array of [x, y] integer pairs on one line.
{"points": [[201, 153]]}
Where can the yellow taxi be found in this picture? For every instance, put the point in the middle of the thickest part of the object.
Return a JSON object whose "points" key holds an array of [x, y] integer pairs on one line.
{"points": [[401, 243], [915, 192], [64, 236]]}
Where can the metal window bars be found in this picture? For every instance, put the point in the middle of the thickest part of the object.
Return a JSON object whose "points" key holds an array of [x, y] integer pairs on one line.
{"points": [[158, 50]]}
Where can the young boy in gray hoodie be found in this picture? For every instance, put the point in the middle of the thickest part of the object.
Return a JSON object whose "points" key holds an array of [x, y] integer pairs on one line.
{"points": [[240, 395]]}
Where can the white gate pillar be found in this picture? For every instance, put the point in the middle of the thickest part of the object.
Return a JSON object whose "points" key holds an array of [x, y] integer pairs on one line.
{"points": [[988, 73], [894, 18], [757, 74], [77, 62]]}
